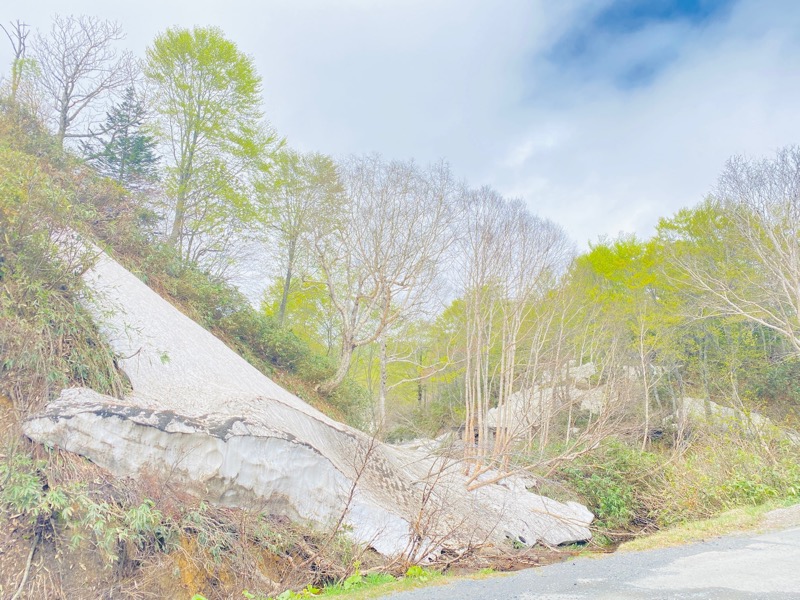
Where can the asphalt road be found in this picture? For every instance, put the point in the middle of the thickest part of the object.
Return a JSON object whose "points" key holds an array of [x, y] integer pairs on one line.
{"points": [[748, 567]]}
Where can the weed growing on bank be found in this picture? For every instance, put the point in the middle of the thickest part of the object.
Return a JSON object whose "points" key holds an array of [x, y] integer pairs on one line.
{"points": [[47, 340], [143, 536], [633, 491]]}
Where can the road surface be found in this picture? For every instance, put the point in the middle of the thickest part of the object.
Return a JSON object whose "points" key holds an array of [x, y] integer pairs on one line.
{"points": [[750, 567]]}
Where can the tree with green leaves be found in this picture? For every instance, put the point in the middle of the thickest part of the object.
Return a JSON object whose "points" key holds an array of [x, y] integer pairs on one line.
{"points": [[733, 263], [122, 150], [306, 188], [624, 279], [756, 271], [207, 100]]}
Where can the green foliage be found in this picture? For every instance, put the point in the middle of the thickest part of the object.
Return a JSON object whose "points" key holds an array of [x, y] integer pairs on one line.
{"points": [[207, 100], [612, 481], [308, 312], [47, 340], [779, 385], [354, 580], [724, 470], [630, 298], [21, 130], [299, 195], [308, 592], [203, 523], [263, 336], [419, 573], [349, 584], [725, 352], [22, 489], [630, 490], [111, 528]]}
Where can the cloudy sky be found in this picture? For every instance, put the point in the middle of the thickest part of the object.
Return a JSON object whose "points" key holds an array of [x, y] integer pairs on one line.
{"points": [[602, 115]]}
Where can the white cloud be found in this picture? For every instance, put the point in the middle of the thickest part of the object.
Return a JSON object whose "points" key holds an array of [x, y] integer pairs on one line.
{"points": [[634, 155], [469, 81]]}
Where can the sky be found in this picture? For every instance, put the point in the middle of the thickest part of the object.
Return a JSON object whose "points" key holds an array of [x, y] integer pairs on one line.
{"points": [[602, 115]]}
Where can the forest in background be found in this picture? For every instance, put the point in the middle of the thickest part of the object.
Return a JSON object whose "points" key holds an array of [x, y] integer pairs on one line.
{"points": [[398, 298]]}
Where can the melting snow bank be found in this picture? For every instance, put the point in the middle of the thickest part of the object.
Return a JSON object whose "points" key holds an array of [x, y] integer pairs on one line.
{"points": [[203, 419]]}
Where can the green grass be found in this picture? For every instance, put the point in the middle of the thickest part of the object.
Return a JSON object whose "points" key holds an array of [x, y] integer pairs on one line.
{"points": [[377, 585], [747, 518]]}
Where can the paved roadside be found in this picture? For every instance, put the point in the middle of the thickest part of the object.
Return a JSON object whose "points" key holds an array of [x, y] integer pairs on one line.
{"points": [[740, 567]]}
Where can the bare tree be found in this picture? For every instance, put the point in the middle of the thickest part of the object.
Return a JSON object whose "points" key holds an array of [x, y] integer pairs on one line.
{"points": [[509, 261], [17, 33], [380, 253], [80, 68], [750, 231]]}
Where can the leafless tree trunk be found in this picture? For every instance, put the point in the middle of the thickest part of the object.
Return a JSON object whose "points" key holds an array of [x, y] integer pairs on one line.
{"points": [[380, 253], [382, 382], [17, 34], [509, 261]]}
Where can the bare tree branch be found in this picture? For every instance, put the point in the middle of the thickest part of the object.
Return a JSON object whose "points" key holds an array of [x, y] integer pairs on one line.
{"points": [[80, 69]]}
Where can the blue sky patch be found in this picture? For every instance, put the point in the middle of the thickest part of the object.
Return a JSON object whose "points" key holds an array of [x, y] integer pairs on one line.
{"points": [[613, 42], [632, 15]]}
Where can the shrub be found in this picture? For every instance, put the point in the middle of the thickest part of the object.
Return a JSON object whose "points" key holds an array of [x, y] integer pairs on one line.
{"points": [[113, 530], [47, 341], [779, 387], [718, 471], [723, 470], [613, 481]]}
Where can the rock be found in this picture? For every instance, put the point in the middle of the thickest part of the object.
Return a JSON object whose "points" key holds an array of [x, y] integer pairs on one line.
{"points": [[727, 418], [202, 418], [530, 406], [582, 375]]}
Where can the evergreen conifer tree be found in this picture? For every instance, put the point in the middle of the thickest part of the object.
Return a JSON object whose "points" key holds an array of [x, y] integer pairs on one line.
{"points": [[122, 150]]}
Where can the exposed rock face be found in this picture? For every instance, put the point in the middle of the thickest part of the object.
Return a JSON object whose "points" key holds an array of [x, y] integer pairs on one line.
{"points": [[529, 407], [727, 418], [204, 419]]}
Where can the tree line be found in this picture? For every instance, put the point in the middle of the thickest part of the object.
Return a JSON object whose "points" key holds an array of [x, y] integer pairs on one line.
{"points": [[452, 305]]}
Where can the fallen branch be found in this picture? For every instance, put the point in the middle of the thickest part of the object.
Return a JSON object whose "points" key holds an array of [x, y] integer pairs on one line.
{"points": [[27, 571]]}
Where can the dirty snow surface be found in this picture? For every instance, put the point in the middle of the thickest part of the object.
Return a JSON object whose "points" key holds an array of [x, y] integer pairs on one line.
{"points": [[203, 419]]}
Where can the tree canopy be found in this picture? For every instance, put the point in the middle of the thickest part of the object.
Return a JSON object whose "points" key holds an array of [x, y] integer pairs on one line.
{"points": [[207, 99]]}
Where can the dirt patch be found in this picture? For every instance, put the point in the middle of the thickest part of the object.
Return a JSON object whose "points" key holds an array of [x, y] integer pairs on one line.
{"points": [[9, 423], [782, 518]]}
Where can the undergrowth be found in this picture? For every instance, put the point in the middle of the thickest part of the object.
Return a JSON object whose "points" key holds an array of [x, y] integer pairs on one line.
{"points": [[631, 491], [144, 535], [47, 340]]}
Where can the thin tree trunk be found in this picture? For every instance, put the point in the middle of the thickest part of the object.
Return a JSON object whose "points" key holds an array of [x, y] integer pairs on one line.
{"points": [[642, 357], [287, 282], [382, 384]]}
